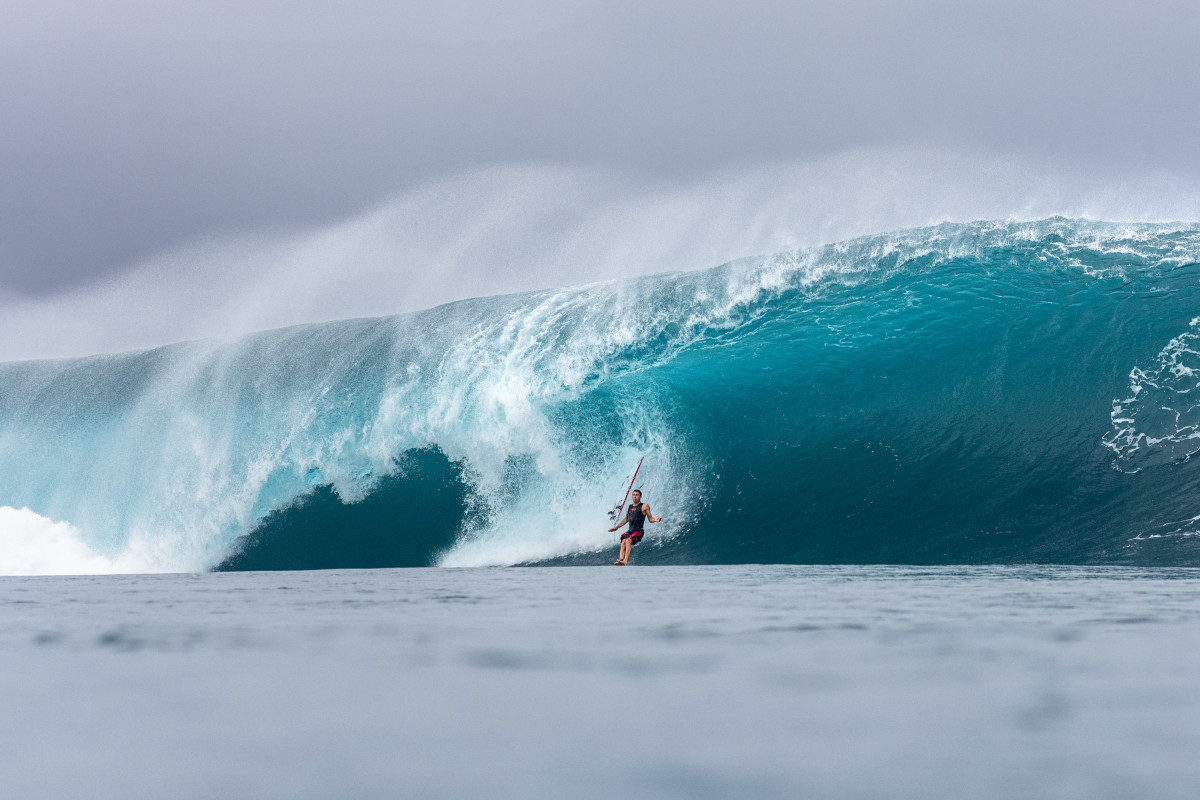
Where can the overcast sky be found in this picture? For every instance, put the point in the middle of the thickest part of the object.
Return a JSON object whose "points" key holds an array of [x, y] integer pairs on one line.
{"points": [[132, 128]]}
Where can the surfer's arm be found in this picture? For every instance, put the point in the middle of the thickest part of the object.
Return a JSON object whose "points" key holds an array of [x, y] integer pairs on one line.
{"points": [[646, 509], [624, 519]]}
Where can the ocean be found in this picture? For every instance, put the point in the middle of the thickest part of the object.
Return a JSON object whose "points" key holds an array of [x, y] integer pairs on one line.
{"points": [[767, 681], [928, 531]]}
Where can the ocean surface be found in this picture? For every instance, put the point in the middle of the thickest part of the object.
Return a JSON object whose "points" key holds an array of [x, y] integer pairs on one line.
{"points": [[653, 682], [977, 393]]}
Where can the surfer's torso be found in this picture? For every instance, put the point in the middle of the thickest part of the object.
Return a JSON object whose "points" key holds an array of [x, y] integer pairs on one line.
{"points": [[636, 517]]}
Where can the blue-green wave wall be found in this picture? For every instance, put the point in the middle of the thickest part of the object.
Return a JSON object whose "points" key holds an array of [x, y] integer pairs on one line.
{"points": [[967, 393]]}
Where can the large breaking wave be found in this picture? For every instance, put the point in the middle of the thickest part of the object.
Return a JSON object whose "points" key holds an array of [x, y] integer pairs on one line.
{"points": [[966, 393]]}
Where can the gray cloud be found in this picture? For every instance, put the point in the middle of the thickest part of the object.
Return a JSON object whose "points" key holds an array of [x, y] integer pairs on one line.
{"points": [[129, 127]]}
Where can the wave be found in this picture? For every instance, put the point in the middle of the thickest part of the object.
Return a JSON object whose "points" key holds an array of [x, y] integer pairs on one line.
{"points": [[989, 392]]}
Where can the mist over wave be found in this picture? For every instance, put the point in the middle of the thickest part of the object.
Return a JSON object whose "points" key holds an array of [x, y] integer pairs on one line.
{"points": [[525, 227], [963, 393]]}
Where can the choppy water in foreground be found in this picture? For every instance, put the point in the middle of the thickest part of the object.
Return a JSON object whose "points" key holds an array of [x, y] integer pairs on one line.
{"points": [[737, 681]]}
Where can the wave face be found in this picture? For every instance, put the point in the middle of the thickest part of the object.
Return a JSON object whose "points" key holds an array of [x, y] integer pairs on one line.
{"points": [[966, 393]]}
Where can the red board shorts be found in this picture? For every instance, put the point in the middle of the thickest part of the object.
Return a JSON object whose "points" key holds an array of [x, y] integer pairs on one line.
{"points": [[633, 536]]}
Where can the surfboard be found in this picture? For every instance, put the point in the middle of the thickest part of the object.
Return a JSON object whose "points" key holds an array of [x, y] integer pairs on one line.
{"points": [[615, 514]]}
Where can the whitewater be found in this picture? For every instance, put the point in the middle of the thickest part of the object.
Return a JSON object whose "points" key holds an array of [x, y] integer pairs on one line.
{"points": [[990, 392]]}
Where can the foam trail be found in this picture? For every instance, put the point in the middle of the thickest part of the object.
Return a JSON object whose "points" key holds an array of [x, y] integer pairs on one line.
{"points": [[1159, 421]]}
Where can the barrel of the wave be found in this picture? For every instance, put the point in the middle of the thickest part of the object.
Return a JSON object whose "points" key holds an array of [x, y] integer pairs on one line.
{"points": [[615, 514]]}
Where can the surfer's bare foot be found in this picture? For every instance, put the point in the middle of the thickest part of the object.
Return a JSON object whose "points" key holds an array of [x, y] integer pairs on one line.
{"points": [[618, 563]]}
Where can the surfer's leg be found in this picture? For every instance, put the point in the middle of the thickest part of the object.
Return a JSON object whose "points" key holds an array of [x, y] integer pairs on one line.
{"points": [[623, 558], [627, 548]]}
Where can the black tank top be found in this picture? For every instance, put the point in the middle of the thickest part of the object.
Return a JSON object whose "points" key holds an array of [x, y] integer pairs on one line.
{"points": [[637, 520]]}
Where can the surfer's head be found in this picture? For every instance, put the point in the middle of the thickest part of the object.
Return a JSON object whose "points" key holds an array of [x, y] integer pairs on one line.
{"points": [[637, 495]]}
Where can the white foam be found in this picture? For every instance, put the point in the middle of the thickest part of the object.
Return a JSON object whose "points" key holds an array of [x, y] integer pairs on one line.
{"points": [[31, 544], [1159, 422]]}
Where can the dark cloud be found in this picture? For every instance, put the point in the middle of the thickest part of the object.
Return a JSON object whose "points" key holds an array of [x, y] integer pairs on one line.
{"points": [[130, 126]]}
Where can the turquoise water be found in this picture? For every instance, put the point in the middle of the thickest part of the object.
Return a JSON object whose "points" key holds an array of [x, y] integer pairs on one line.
{"points": [[980, 393], [658, 682]]}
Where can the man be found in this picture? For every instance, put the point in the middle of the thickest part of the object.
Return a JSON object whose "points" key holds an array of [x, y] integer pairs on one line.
{"points": [[637, 515]]}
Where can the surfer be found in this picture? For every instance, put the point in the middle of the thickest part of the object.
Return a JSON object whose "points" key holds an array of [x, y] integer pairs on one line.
{"points": [[637, 515]]}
